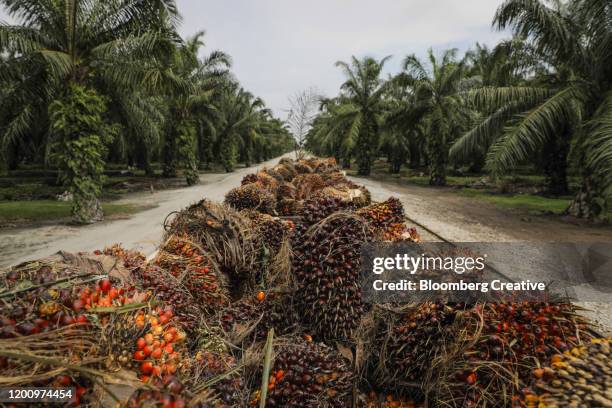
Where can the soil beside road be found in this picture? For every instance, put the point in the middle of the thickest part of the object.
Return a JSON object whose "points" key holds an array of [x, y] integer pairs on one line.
{"points": [[141, 231]]}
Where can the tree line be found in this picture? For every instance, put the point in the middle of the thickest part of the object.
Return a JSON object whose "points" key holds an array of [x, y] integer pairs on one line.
{"points": [[542, 97], [85, 83]]}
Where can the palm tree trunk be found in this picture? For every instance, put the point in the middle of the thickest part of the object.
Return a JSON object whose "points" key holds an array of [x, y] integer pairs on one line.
{"points": [[555, 165], [438, 158], [588, 203], [169, 154]]}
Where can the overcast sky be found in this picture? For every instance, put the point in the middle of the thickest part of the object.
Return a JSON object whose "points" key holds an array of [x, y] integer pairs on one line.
{"points": [[280, 47]]}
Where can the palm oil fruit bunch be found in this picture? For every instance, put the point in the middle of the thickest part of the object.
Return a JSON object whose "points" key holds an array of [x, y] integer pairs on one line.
{"points": [[374, 400], [36, 272], [155, 398], [287, 171], [49, 309], [268, 182], [271, 231], [251, 197], [132, 260], [288, 207], [274, 174], [319, 207], [514, 337], [307, 374], [168, 289], [228, 391], [526, 330], [258, 313], [158, 351], [580, 377], [308, 184], [302, 168], [248, 179], [327, 263], [286, 191], [410, 340], [188, 263], [387, 219]]}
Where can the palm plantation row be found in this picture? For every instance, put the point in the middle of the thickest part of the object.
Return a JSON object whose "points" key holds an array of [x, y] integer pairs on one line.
{"points": [[543, 97], [87, 82]]}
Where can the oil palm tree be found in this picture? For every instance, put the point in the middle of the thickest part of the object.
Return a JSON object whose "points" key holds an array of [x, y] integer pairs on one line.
{"points": [[363, 106], [436, 104], [335, 130], [570, 105], [239, 118], [191, 106], [110, 47]]}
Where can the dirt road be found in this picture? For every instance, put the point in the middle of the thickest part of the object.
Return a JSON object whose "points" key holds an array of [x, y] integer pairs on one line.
{"points": [[141, 231], [465, 219]]}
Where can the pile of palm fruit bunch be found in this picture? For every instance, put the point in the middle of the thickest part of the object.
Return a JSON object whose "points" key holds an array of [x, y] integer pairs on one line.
{"points": [[472, 355], [579, 377], [307, 374], [257, 300], [387, 219]]}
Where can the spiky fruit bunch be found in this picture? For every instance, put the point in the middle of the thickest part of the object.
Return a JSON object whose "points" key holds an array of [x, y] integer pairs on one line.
{"points": [[188, 263], [251, 197], [303, 168], [221, 235], [287, 190], [267, 182], [167, 288], [272, 231], [288, 207], [321, 206], [47, 309], [249, 178], [160, 348], [307, 374], [408, 342], [387, 219], [227, 391], [307, 185], [132, 260], [500, 338], [287, 161], [322, 165], [326, 263], [576, 378], [254, 316], [275, 174], [287, 171]]}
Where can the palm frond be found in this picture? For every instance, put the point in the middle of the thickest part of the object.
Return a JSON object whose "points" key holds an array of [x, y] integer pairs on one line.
{"points": [[534, 128]]}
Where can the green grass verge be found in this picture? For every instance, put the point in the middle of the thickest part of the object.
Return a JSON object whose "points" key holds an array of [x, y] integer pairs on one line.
{"points": [[47, 210], [531, 203]]}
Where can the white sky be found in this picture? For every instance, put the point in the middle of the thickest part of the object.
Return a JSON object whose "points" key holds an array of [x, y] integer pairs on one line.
{"points": [[280, 47]]}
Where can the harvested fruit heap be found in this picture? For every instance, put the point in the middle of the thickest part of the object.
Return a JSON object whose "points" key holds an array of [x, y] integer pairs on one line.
{"points": [[307, 374], [191, 326], [388, 220], [327, 267], [579, 377], [252, 196]]}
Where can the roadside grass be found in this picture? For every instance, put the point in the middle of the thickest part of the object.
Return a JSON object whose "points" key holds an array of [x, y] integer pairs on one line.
{"points": [[48, 210], [531, 203], [520, 191]]}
